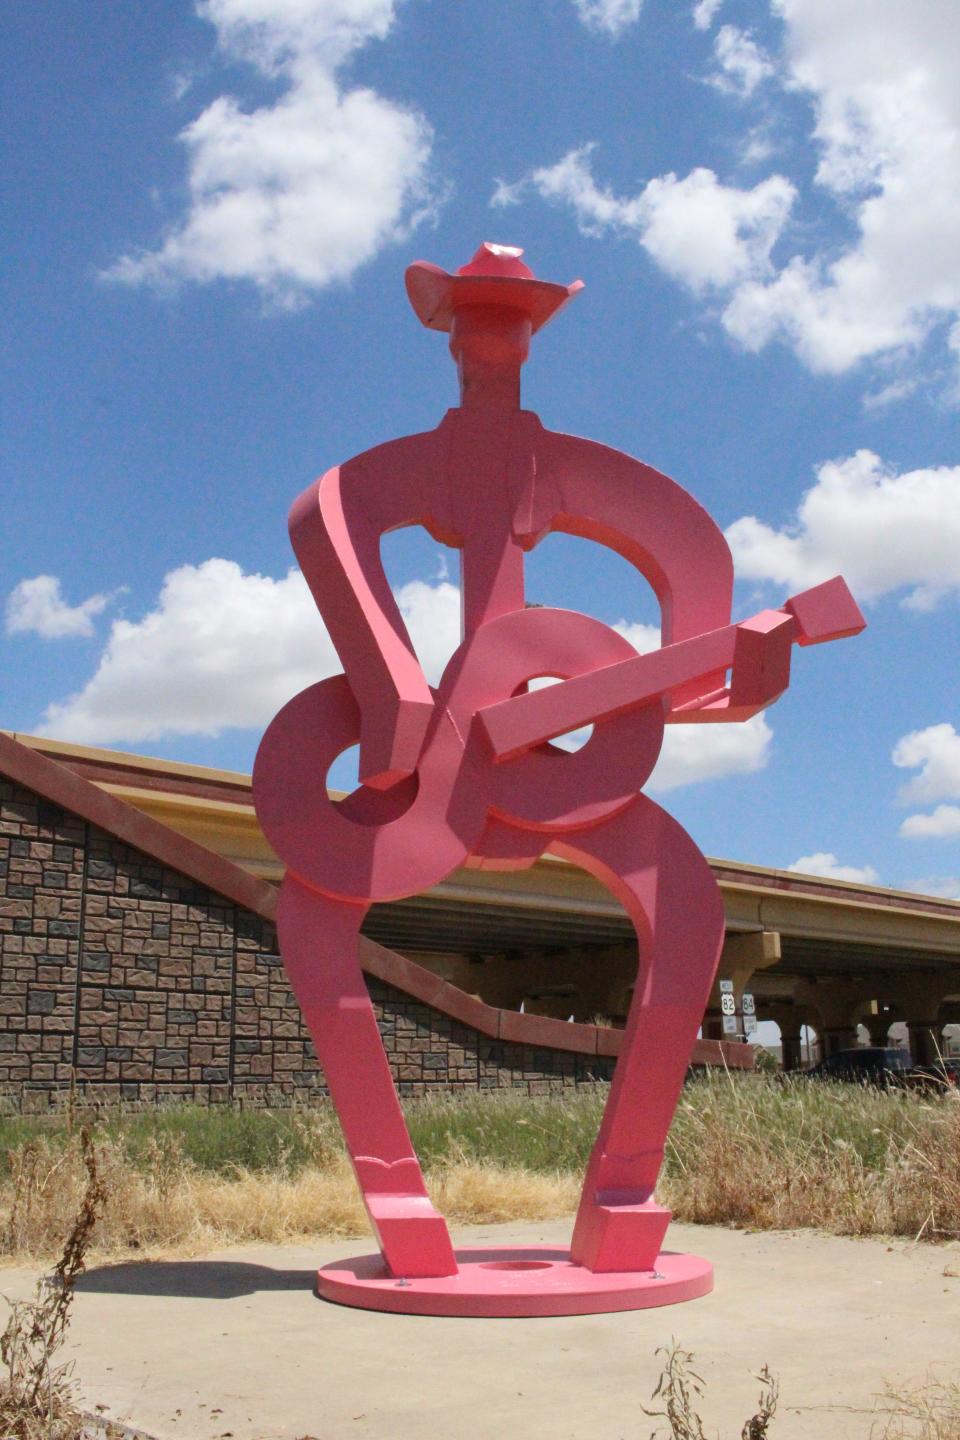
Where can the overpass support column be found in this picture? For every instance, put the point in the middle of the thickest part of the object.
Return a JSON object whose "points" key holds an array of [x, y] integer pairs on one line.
{"points": [[837, 1003], [921, 1008], [839, 1037], [925, 1042], [877, 1027], [791, 1047], [742, 956]]}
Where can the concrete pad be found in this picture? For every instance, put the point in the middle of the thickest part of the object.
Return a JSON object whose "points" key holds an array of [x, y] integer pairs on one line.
{"points": [[237, 1345]]}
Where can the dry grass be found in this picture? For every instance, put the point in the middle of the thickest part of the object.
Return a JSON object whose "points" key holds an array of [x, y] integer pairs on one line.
{"points": [[846, 1159], [746, 1151], [923, 1412], [176, 1206], [37, 1399]]}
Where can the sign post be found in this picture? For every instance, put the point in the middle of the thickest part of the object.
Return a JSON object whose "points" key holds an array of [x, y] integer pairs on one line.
{"points": [[749, 1010]]}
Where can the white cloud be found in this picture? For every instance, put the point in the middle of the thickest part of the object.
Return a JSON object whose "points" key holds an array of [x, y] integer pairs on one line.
{"points": [[881, 530], [743, 65], [874, 271], [952, 393], [886, 108], [703, 233], [432, 617], [643, 638], [695, 753], [707, 234], [275, 34], [224, 649], [299, 194], [704, 11], [825, 863], [758, 145], [220, 649], [899, 389], [611, 16], [946, 887], [935, 751], [943, 823], [37, 606], [506, 192]]}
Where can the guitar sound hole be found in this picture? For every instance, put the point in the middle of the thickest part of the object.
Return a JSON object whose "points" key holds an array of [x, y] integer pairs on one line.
{"points": [[562, 744], [359, 803]]}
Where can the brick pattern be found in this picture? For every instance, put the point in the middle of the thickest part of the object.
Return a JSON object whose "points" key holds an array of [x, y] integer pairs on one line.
{"points": [[134, 983], [156, 979], [431, 1051], [273, 1061], [41, 899]]}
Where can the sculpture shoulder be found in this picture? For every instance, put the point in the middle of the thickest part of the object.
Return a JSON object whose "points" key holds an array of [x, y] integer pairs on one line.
{"points": [[575, 451], [396, 455], [389, 483], [591, 466]]}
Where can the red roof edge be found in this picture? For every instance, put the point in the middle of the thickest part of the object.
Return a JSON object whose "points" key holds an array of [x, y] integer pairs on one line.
{"points": [[55, 782]]}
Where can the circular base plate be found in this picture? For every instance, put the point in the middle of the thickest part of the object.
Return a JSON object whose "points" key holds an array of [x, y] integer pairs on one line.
{"points": [[537, 1280]]}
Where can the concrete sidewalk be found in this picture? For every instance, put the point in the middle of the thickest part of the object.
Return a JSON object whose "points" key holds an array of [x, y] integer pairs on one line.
{"points": [[236, 1345]]}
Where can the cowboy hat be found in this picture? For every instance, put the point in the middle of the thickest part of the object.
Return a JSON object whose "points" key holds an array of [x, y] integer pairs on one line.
{"points": [[495, 276]]}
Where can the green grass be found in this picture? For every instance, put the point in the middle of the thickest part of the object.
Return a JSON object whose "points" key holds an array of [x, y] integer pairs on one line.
{"points": [[792, 1118], [744, 1150], [540, 1134], [790, 1121]]}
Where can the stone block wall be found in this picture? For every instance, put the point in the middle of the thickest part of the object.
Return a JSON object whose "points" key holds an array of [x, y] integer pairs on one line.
{"points": [[432, 1051], [129, 981]]}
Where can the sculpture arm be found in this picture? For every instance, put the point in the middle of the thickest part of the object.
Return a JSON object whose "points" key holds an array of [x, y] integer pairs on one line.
{"points": [[335, 528], [606, 496]]}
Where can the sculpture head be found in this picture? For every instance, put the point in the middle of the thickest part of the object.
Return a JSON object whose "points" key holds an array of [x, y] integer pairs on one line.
{"points": [[491, 307]]}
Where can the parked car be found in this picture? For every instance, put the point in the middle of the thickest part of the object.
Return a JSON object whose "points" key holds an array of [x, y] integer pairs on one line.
{"points": [[886, 1066]]}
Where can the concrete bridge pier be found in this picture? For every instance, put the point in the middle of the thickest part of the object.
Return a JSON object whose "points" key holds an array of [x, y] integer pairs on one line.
{"points": [[743, 955]]}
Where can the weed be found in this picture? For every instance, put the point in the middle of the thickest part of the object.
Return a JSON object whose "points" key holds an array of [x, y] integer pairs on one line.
{"points": [[757, 1427], [680, 1391], [922, 1412], [36, 1388]]}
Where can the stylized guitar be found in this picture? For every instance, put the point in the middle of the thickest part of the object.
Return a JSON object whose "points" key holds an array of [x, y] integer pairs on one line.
{"points": [[487, 753]]}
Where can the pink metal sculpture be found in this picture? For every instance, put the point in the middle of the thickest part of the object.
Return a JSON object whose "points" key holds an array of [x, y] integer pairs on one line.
{"points": [[466, 775]]}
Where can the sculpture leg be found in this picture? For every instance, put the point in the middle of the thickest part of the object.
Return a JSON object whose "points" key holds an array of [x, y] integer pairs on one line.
{"points": [[666, 886], [319, 942]]}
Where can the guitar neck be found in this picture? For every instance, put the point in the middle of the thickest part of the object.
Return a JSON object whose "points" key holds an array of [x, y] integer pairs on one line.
{"points": [[515, 725], [760, 646]]}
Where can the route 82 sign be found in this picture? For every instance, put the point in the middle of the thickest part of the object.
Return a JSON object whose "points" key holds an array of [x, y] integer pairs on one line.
{"points": [[728, 1005]]}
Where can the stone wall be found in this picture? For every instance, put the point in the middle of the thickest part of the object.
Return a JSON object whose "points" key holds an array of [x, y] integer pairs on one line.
{"points": [[130, 981]]}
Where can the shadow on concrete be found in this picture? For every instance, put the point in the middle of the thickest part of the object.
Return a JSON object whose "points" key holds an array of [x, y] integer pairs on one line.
{"points": [[198, 1279]]}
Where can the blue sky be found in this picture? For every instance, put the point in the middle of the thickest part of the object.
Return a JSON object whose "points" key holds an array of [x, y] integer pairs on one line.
{"points": [[211, 207]]}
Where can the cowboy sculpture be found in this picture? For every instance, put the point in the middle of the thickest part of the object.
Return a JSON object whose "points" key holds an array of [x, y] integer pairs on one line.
{"points": [[466, 774]]}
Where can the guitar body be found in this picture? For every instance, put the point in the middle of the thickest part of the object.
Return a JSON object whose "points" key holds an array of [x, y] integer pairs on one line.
{"points": [[379, 845]]}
